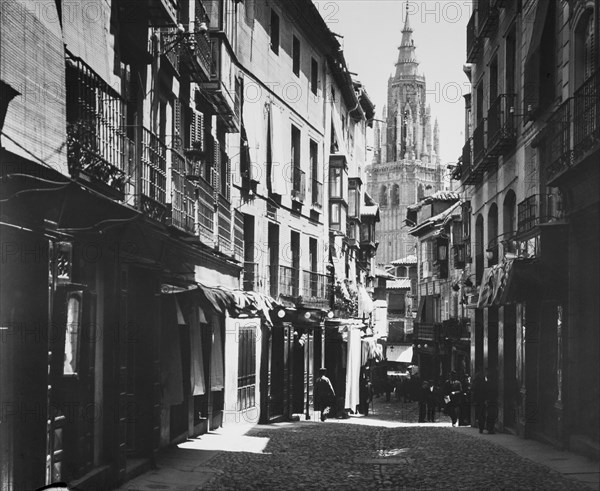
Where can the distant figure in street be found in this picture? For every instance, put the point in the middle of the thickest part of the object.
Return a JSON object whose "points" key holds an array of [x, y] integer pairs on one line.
{"points": [[324, 395], [431, 401], [478, 397], [465, 409], [453, 394], [365, 392]]}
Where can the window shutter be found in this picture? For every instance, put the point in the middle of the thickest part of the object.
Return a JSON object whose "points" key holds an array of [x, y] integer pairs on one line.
{"points": [[228, 180], [197, 130], [216, 168], [177, 143]]}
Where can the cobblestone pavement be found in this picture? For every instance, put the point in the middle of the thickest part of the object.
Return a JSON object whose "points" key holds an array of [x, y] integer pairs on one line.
{"points": [[386, 450]]}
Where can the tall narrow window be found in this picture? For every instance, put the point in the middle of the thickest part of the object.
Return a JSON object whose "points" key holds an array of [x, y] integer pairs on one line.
{"points": [[479, 101], [274, 32], [296, 56], [589, 49], [314, 77]]}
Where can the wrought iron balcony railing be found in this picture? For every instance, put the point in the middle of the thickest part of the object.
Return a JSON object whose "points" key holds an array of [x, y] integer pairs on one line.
{"points": [[586, 116], [171, 47], [182, 194], [288, 281], [487, 18], [558, 140], [98, 150], [474, 42], [153, 175], [298, 185], [538, 209], [317, 289], [501, 131]]}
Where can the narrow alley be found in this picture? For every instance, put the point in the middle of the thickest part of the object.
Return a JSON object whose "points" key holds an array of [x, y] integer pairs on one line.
{"points": [[386, 450]]}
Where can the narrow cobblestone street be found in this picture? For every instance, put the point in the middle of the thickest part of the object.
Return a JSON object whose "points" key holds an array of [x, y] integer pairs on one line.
{"points": [[386, 450]]}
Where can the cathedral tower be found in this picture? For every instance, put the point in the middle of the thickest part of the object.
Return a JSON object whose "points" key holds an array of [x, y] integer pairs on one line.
{"points": [[406, 165]]}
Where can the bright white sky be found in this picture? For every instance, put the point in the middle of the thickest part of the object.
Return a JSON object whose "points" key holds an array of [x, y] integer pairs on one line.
{"points": [[372, 34]]}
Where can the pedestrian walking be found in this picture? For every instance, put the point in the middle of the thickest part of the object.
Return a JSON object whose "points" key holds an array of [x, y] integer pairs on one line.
{"points": [[453, 397], [324, 395]]}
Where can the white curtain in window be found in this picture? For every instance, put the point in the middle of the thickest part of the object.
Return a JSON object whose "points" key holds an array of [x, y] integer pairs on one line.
{"points": [[197, 379], [216, 359], [254, 124]]}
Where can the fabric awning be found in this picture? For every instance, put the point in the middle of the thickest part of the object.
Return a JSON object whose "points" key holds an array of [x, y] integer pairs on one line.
{"points": [[235, 302], [493, 284]]}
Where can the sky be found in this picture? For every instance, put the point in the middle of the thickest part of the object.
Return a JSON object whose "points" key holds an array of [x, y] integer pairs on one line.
{"points": [[371, 31]]}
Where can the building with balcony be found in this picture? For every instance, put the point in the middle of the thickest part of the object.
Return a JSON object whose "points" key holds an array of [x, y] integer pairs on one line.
{"points": [[406, 166], [440, 311], [527, 171], [116, 170]]}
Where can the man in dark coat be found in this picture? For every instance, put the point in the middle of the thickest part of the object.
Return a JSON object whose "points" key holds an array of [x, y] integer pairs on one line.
{"points": [[453, 396], [324, 395]]}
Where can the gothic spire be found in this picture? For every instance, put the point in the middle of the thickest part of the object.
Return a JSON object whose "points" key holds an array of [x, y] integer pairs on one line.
{"points": [[407, 61]]}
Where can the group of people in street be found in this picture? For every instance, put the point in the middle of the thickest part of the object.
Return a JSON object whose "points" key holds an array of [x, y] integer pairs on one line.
{"points": [[453, 397]]}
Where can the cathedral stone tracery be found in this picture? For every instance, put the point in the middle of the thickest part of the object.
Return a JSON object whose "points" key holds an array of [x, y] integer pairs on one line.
{"points": [[406, 152]]}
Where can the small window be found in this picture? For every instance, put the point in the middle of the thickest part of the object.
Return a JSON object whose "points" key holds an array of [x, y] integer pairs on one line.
{"points": [[274, 32], [72, 334], [296, 56], [314, 76], [335, 216]]}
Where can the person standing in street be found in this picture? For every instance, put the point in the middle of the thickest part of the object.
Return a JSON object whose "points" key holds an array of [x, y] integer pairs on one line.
{"points": [[453, 397], [324, 395]]}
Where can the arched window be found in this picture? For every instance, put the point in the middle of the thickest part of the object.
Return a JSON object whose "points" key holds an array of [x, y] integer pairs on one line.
{"points": [[395, 195], [383, 197], [479, 256], [509, 215]]}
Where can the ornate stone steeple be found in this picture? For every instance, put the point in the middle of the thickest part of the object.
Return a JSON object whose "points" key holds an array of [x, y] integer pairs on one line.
{"points": [[407, 61]]}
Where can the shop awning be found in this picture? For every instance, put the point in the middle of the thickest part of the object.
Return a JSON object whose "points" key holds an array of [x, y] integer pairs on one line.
{"points": [[399, 353]]}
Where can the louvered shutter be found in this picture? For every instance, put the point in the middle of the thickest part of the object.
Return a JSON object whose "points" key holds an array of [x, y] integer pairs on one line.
{"points": [[228, 180], [197, 130], [216, 168], [177, 123]]}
